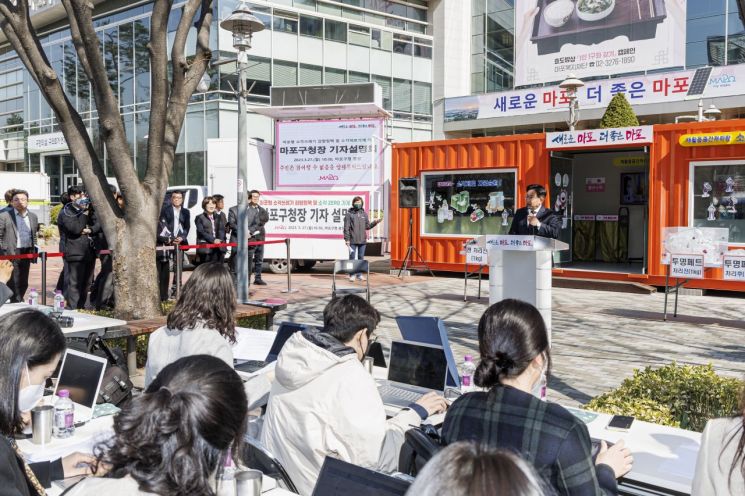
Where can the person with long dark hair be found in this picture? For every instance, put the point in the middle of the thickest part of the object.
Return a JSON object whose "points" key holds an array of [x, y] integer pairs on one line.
{"points": [[201, 323], [210, 230], [32, 347], [515, 355], [175, 437], [720, 468], [472, 469], [356, 225]]}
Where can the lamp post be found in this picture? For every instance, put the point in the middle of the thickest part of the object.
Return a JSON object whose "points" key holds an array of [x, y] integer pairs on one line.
{"points": [[571, 85], [242, 24], [710, 114]]}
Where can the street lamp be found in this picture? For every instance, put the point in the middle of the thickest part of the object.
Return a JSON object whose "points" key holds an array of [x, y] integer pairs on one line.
{"points": [[571, 85], [242, 24], [712, 113]]}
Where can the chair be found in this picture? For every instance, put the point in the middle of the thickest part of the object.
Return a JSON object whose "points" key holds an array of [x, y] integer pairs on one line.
{"points": [[418, 448], [348, 267], [256, 456]]}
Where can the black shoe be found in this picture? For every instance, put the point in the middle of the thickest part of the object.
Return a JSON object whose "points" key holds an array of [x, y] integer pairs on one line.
{"points": [[259, 282]]}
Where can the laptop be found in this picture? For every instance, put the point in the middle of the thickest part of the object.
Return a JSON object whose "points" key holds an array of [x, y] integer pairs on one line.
{"points": [[414, 369], [430, 330], [339, 478], [81, 374], [284, 332]]}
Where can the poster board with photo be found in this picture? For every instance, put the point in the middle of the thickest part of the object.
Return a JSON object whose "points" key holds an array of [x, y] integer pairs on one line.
{"points": [[717, 197], [634, 188], [467, 203]]}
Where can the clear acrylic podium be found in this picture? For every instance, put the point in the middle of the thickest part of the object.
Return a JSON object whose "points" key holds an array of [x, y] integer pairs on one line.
{"points": [[520, 268]]}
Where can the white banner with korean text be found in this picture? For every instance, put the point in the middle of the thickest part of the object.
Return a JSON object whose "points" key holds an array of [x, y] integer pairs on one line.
{"points": [[600, 137]]}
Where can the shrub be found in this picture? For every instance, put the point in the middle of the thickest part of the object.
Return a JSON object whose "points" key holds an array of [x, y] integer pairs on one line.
{"points": [[683, 396], [48, 232], [54, 213], [619, 113]]}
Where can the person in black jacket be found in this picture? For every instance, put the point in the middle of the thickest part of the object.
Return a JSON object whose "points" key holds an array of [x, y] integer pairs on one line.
{"points": [[177, 220], [257, 219], [210, 229], [356, 225], [79, 229], [102, 294], [33, 346], [535, 219]]}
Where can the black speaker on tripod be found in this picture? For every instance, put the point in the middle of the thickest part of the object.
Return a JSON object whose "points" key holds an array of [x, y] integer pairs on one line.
{"points": [[408, 192]]}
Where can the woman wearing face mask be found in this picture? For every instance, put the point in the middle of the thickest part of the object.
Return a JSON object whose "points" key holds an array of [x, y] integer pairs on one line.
{"points": [[515, 355], [32, 347], [356, 222], [210, 229]]}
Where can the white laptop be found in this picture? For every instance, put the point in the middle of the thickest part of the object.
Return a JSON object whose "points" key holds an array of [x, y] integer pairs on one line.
{"points": [[414, 369], [81, 374]]}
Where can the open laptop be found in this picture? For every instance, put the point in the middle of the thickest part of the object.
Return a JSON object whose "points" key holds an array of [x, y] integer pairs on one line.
{"points": [[284, 332], [414, 369], [430, 330], [339, 478], [81, 374]]}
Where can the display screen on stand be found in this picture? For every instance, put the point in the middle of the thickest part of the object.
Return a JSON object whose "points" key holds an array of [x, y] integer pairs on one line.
{"points": [[468, 203], [718, 197]]}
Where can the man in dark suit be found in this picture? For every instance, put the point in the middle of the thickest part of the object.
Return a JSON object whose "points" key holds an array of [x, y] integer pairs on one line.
{"points": [[177, 221], [257, 218], [535, 219], [18, 229]]}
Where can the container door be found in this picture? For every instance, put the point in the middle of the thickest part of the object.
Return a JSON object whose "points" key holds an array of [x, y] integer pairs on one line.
{"points": [[561, 202]]}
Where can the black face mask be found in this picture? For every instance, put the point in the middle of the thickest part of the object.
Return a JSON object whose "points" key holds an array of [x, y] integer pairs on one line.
{"points": [[357, 206]]}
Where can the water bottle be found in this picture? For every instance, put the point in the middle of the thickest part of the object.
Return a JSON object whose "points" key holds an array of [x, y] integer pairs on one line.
{"points": [[64, 415], [59, 303], [226, 482], [467, 370], [33, 297]]}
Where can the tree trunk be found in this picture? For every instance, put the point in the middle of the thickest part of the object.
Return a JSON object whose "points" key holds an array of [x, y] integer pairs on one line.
{"points": [[135, 276]]}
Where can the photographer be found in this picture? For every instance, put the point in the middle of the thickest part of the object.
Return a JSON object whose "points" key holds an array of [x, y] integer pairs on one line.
{"points": [[78, 229]]}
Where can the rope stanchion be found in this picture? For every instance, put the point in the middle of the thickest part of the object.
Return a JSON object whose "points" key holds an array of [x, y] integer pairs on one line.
{"points": [[289, 270], [43, 256]]}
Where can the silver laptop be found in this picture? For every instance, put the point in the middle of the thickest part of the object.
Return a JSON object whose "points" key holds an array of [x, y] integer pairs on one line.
{"points": [[414, 369], [81, 374]]}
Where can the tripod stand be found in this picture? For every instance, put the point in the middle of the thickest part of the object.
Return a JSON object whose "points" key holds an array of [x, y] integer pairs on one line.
{"points": [[411, 251]]}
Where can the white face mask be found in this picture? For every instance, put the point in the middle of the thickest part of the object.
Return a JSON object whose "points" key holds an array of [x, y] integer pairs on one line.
{"points": [[31, 395]]}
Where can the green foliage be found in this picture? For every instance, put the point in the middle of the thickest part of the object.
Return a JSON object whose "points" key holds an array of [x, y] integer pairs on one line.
{"points": [[48, 232], [619, 113], [54, 213], [683, 396]]}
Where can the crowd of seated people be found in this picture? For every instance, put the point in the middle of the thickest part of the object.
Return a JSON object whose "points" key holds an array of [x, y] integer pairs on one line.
{"points": [[175, 437]]}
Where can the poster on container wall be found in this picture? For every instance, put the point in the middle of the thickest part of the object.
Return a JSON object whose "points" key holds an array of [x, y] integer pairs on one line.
{"points": [[329, 153], [556, 38]]}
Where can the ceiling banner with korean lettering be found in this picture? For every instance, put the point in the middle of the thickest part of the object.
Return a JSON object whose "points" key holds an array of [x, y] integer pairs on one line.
{"points": [[596, 37], [308, 214], [599, 137], [329, 153], [668, 87]]}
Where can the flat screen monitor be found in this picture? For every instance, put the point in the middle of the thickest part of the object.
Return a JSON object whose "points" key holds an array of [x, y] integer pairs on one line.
{"points": [[417, 364]]}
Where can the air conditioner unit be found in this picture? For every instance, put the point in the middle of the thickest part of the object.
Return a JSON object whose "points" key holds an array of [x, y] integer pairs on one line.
{"points": [[333, 94]]}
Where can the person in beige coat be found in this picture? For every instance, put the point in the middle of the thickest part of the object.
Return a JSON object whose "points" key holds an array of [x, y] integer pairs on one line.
{"points": [[325, 403], [173, 438], [720, 467]]}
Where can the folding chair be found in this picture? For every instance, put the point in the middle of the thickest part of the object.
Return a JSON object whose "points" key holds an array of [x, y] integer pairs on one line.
{"points": [[348, 267], [256, 456]]}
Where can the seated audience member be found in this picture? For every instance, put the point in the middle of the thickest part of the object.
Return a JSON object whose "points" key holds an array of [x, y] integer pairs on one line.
{"points": [[720, 468], [514, 350], [324, 403], [32, 345], [6, 272], [201, 323], [471, 469], [173, 439]]}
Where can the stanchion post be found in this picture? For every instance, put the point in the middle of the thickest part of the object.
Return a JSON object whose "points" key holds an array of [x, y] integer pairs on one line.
{"points": [[178, 269], [43, 256], [289, 269]]}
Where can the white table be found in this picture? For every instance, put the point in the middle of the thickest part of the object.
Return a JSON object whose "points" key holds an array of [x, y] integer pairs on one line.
{"points": [[83, 324]]}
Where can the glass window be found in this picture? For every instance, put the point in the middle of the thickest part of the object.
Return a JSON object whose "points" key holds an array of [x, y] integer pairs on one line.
{"points": [[68, 70], [126, 65], [423, 51], [385, 84], [382, 40], [178, 173], [457, 202], [195, 167], [142, 123], [305, 4], [129, 130], [142, 60], [285, 73], [335, 76], [359, 35], [336, 31], [722, 202], [111, 57], [258, 74], [358, 77], [401, 95], [401, 46], [422, 98], [195, 129], [285, 22], [311, 26], [310, 75]]}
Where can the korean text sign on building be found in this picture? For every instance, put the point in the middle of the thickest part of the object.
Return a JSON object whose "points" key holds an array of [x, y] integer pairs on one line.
{"points": [[307, 214], [596, 38], [734, 267], [599, 137], [329, 153]]}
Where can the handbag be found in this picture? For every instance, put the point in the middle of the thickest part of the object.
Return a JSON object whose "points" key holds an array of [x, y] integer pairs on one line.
{"points": [[116, 388]]}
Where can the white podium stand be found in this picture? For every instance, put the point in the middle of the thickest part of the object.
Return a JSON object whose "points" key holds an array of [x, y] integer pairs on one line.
{"points": [[520, 268]]}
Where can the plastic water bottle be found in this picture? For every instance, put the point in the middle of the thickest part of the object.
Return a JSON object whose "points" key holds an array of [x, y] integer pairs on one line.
{"points": [[59, 303], [64, 415], [226, 482], [33, 297], [467, 370]]}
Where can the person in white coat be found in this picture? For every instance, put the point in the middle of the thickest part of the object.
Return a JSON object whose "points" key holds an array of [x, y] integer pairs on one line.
{"points": [[324, 403]]}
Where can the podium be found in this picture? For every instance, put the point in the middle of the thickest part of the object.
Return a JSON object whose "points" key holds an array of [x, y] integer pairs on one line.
{"points": [[520, 268]]}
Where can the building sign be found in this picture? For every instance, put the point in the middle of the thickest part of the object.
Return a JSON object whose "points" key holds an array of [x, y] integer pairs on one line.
{"points": [[307, 214], [606, 218], [599, 137], [639, 90], [734, 267], [51, 142], [595, 184], [687, 266], [629, 161], [713, 139], [596, 37], [476, 255], [329, 153]]}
